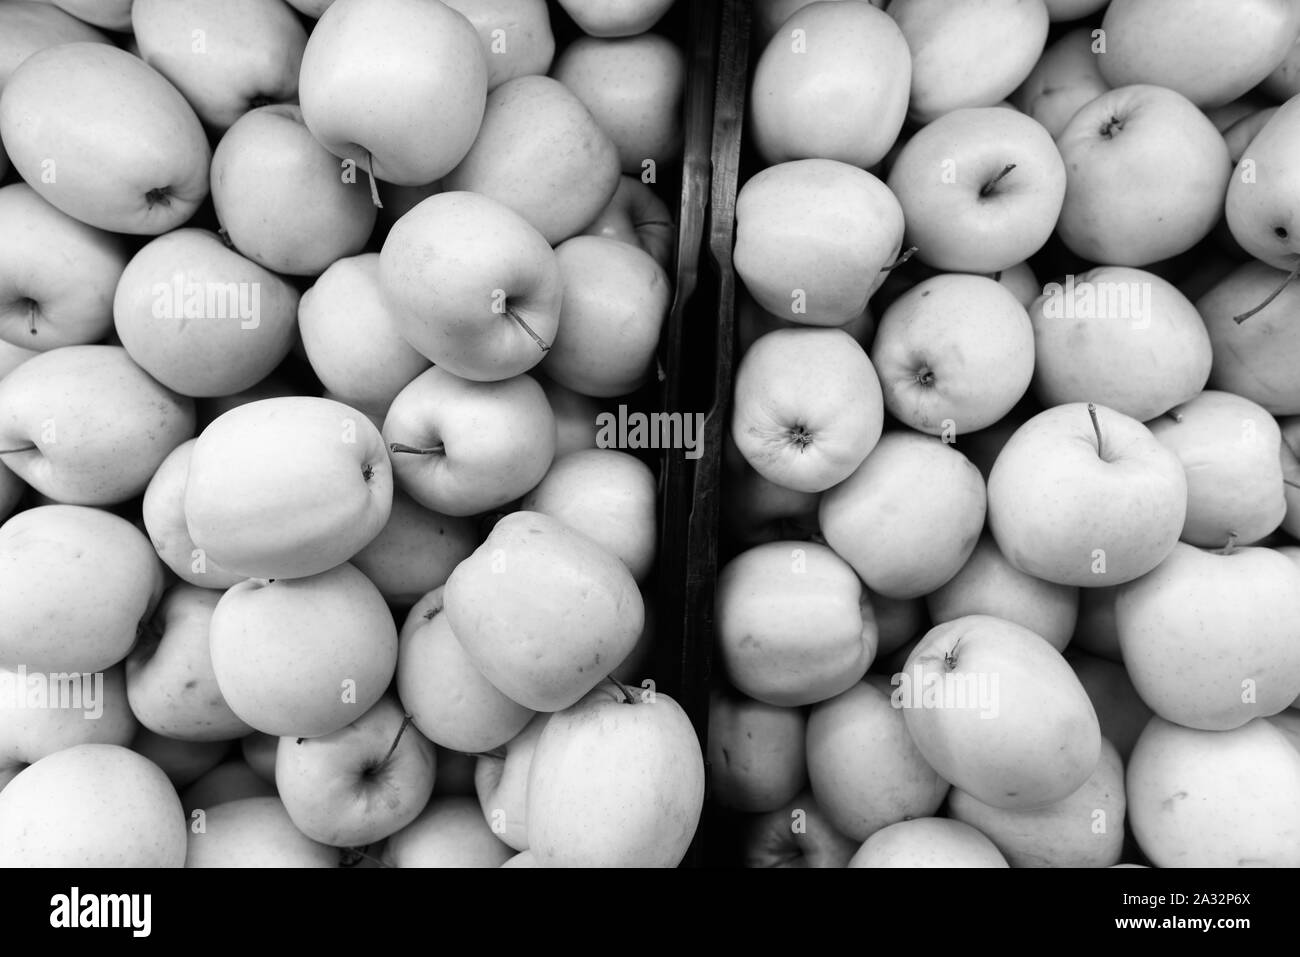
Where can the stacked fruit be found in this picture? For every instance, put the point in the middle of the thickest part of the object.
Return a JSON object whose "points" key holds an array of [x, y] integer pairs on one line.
{"points": [[253, 444], [1015, 573]]}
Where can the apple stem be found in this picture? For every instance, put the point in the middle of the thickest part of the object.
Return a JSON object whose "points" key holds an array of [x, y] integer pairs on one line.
{"points": [[374, 186], [361, 855], [903, 257], [997, 276], [1231, 547], [406, 720], [987, 190], [1295, 270], [1096, 426], [950, 656], [1175, 415], [21, 448], [541, 343], [438, 449], [31, 316], [628, 697], [225, 238], [1293, 484], [499, 752]]}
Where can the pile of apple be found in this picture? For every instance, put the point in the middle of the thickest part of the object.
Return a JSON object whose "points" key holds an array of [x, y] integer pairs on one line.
{"points": [[302, 486], [1017, 416]]}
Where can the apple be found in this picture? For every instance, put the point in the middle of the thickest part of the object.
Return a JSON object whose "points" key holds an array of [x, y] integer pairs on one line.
{"points": [[1121, 337], [449, 700], [258, 751], [575, 417], [909, 518], [814, 239], [200, 318], [798, 835], [539, 606], [316, 470], [637, 216], [415, 552], [303, 657], [753, 322], [756, 752], [233, 780], [1147, 173], [616, 780], [157, 173], [450, 832], [981, 189], [1230, 449], [1084, 829], [946, 377], [1290, 457], [1121, 712], [834, 84], [12, 356], [91, 805], [169, 679], [164, 522], [85, 425], [1210, 51], [988, 584], [864, 768], [254, 832], [1214, 798], [615, 18], [107, 14], [793, 624], [395, 87], [501, 784], [996, 710], [928, 842], [1263, 193], [1084, 495], [968, 54], [1067, 76], [78, 583], [808, 407], [26, 28], [351, 336], [359, 784], [460, 447], [472, 286], [225, 57], [515, 34], [1227, 618], [898, 621], [1284, 82], [41, 714], [40, 308]]}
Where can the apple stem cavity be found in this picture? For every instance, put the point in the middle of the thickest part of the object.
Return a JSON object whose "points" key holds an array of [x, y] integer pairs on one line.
{"points": [[1096, 427], [541, 343], [903, 257], [950, 656], [374, 186], [438, 449], [628, 697], [988, 187], [1295, 270], [406, 721]]}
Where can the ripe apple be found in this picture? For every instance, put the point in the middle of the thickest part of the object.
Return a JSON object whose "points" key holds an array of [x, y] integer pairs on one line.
{"points": [[637, 216], [928, 842], [909, 518], [981, 189], [756, 752], [225, 57], [834, 84], [85, 425], [1210, 51], [1227, 618], [450, 832], [351, 336], [793, 624], [988, 584], [396, 87], [472, 286], [515, 34], [808, 407], [543, 611], [996, 710], [460, 447], [26, 28], [590, 798], [40, 308], [64, 103], [1084, 495], [1067, 76], [92, 805], [814, 238], [200, 318], [169, 678], [1230, 449], [501, 784], [316, 470], [233, 780], [254, 832], [303, 657], [968, 54], [615, 18], [1121, 712], [1290, 457], [1084, 829], [1121, 337], [946, 377], [798, 835], [1126, 202], [78, 583], [107, 14], [415, 551], [359, 784], [163, 509], [1263, 193], [449, 700], [1215, 798]]}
